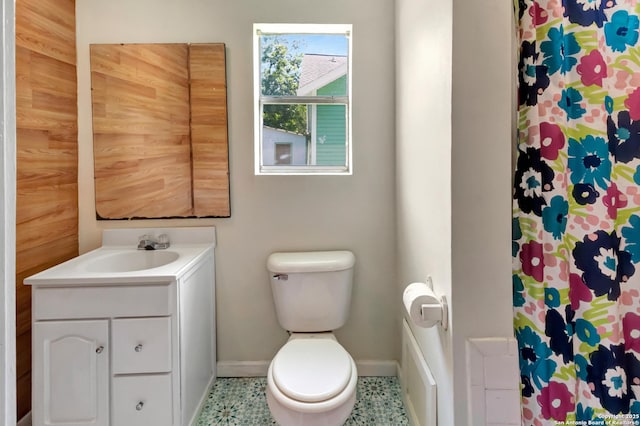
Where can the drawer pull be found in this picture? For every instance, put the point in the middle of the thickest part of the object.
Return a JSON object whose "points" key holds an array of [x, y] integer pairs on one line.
{"points": [[138, 348], [99, 349], [139, 406]]}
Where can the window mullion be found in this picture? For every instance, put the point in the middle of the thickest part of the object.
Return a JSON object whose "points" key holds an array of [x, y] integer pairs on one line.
{"points": [[304, 99]]}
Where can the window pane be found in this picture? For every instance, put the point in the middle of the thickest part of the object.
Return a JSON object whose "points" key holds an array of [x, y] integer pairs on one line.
{"points": [[328, 137], [322, 142], [303, 64], [274, 151], [287, 117]]}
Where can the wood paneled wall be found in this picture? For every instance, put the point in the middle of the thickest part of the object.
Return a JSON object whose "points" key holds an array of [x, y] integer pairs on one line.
{"points": [[209, 130], [47, 157], [160, 130]]}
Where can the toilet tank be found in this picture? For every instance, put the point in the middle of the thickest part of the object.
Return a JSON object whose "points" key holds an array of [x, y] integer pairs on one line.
{"points": [[311, 290]]}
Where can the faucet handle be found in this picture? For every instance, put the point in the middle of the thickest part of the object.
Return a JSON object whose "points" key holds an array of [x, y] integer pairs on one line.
{"points": [[163, 241]]}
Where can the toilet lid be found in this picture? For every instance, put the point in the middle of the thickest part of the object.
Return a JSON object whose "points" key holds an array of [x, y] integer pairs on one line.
{"points": [[311, 369]]}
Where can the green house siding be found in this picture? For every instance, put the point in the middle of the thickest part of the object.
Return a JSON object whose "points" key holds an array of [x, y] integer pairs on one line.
{"points": [[331, 126]]}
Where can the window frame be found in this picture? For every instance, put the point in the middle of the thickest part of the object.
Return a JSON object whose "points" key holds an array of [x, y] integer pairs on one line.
{"points": [[259, 100]]}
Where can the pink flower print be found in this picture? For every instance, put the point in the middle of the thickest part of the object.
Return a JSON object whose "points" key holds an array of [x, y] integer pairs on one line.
{"points": [[578, 291], [633, 104], [556, 401], [551, 140], [621, 80], [631, 330], [614, 200], [592, 69], [532, 260], [538, 14]]}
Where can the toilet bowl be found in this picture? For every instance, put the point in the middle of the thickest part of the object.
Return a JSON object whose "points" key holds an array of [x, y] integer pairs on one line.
{"points": [[311, 381]]}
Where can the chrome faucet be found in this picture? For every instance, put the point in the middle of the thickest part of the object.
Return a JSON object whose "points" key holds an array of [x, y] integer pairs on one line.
{"points": [[149, 242]]}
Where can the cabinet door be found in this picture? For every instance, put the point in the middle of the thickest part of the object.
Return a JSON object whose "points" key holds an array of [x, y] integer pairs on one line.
{"points": [[71, 373]]}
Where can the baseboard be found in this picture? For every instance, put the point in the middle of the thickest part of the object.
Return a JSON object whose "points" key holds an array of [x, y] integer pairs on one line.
{"points": [[260, 368], [26, 420], [377, 368], [242, 368]]}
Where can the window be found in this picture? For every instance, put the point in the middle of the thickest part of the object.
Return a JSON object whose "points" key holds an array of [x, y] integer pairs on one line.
{"points": [[302, 87], [283, 153]]}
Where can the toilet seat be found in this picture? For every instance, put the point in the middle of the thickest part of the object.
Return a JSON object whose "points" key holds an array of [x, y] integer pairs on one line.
{"points": [[312, 370]]}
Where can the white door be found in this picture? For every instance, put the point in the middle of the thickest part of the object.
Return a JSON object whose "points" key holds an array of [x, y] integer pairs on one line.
{"points": [[71, 373]]}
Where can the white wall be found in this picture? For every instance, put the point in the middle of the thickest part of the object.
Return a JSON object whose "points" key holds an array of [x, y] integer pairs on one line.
{"points": [[423, 165], [481, 180], [328, 212], [7, 216], [453, 176]]}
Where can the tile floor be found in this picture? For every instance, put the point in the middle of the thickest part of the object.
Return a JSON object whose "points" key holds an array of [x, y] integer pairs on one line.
{"points": [[242, 402]]}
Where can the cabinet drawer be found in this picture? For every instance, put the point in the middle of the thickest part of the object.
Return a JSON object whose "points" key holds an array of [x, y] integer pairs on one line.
{"points": [[141, 345], [103, 301], [142, 400]]}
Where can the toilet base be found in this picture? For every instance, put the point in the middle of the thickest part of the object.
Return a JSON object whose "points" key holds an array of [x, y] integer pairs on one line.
{"points": [[287, 417]]}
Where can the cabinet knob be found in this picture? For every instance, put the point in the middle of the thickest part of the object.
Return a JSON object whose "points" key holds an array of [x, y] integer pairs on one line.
{"points": [[99, 349], [138, 348], [139, 406]]}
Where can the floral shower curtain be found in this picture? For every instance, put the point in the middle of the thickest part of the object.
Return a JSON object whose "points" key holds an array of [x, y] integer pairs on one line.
{"points": [[576, 225]]}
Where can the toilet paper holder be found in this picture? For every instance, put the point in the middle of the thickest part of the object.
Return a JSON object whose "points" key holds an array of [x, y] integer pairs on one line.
{"points": [[424, 306], [436, 311]]}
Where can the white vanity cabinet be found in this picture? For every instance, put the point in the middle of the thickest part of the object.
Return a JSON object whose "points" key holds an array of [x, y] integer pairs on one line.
{"points": [[132, 349]]}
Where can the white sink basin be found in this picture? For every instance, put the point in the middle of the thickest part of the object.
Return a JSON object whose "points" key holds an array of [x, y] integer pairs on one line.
{"points": [[131, 260], [118, 262]]}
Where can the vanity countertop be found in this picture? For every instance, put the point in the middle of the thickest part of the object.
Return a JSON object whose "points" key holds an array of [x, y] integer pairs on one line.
{"points": [[118, 263]]}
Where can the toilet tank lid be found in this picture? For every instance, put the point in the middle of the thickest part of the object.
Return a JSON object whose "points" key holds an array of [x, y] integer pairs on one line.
{"points": [[310, 261]]}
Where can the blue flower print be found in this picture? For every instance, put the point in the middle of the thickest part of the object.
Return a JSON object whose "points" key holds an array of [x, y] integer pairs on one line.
{"points": [[586, 332], [516, 234], [587, 12], [603, 263], [611, 374], [526, 388], [551, 297], [534, 357], [589, 161], [636, 176], [532, 178], [558, 50], [608, 104], [554, 216], [631, 235], [560, 332], [624, 138], [581, 364], [533, 79], [621, 31], [584, 414], [570, 103], [584, 193], [518, 291]]}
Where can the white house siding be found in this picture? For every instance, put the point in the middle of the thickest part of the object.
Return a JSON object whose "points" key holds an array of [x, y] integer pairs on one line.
{"points": [[271, 136]]}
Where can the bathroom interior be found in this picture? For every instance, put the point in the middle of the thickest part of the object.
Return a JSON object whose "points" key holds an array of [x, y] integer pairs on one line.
{"points": [[429, 195]]}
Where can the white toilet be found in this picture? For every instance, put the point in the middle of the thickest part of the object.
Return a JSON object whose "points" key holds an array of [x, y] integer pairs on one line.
{"points": [[312, 379]]}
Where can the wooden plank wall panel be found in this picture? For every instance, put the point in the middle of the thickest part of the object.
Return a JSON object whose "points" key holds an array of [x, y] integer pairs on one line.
{"points": [[209, 130], [47, 157], [140, 96]]}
